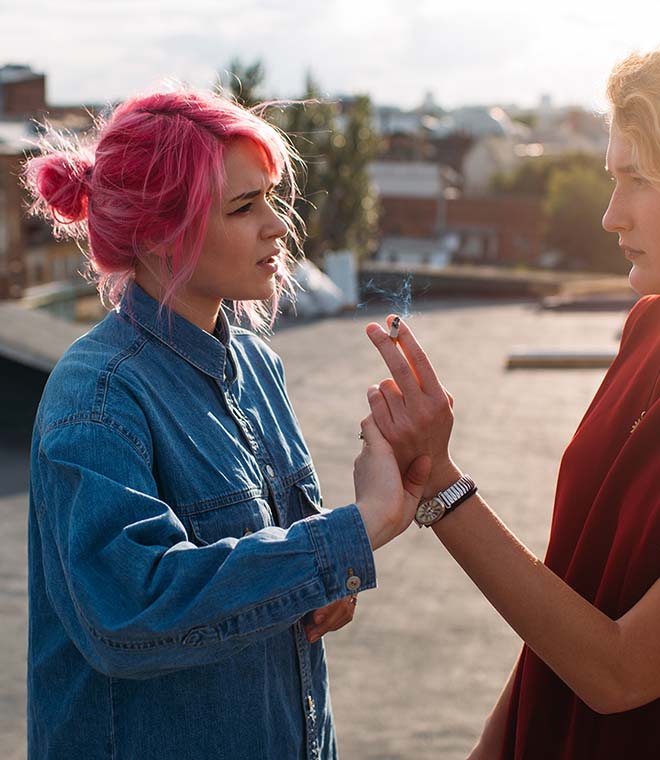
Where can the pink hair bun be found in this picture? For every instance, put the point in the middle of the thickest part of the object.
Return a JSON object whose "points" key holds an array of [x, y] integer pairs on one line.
{"points": [[60, 182]]}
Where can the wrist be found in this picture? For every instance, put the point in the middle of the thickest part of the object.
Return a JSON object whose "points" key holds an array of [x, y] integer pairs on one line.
{"points": [[442, 476], [379, 532]]}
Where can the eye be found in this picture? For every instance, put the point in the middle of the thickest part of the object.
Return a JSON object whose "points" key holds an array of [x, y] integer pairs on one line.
{"points": [[242, 210]]}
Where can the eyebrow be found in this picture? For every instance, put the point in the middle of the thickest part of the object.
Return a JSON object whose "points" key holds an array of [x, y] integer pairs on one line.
{"points": [[250, 194]]}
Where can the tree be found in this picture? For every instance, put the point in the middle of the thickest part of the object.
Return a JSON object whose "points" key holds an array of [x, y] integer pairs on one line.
{"points": [[310, 124], [575, 203], [243, 81], [532, 176], [349, 218], [338, 203]]}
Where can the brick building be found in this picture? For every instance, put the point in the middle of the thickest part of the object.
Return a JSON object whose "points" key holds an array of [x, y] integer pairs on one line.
{"points": [[495, 229], [22, 92], [12, 271], [29, 255]]}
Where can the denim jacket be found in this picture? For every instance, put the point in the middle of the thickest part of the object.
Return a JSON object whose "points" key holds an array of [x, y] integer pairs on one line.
{"points": [[176, 540]]}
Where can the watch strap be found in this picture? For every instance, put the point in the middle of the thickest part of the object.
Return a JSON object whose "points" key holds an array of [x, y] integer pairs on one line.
{"points": [[439, 506], [458, 492]]}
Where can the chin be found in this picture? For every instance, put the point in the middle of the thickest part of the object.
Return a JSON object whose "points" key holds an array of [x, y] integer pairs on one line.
{"points": [[642, 284], [256, 294]]}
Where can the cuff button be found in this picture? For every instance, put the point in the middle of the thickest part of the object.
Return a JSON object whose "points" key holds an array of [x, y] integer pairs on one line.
{"points": [[353, 583]]}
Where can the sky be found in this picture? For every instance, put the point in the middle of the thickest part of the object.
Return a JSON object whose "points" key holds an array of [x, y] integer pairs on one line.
{"points": [[483, 52]]}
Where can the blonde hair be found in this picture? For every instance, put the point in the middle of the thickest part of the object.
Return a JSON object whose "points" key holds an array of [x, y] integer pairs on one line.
{"points": [[633, 90]]}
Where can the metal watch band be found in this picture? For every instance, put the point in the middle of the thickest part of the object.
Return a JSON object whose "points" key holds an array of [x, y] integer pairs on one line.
{"points": [[434, 509], [458, 492]]}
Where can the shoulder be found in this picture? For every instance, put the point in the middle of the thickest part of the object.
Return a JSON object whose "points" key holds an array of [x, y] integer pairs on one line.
{"points": [[644, 315], [89, 373], [256, 349]]}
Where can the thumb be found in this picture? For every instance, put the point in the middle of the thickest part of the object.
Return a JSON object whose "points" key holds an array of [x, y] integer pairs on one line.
{"points": [[416, 476]]}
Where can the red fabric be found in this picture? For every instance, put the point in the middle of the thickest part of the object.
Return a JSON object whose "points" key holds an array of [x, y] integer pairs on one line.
{"points": [[605, 543]]}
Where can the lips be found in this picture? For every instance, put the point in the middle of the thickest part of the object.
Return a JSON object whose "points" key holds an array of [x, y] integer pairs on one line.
{"points": [[631, 253], [269, 263]]}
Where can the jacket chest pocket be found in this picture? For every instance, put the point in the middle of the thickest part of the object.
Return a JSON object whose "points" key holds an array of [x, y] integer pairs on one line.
{"points": [[235, 519], [305, 498]]}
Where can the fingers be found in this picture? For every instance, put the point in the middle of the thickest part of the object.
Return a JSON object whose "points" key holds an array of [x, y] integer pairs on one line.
{"points": [[371, 435], [392, 396], [417, 357], [331, 618], [414, 354], [401, 371]]}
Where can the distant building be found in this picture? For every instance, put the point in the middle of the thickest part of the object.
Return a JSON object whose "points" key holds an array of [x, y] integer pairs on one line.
{"points": [[22, 92], [409, 193], [496, 230], [12, 270], [29, 255], [488, 156]]}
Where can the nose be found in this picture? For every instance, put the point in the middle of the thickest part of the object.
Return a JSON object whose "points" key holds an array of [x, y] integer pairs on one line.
{"points": [[275, 226], [617, 216]]}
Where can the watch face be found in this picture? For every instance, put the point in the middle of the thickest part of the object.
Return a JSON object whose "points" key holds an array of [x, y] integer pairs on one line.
{"points": [[429, 511]]}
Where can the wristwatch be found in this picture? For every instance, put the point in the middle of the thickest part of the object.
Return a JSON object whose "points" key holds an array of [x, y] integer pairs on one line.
{"points": [[439, 506]]}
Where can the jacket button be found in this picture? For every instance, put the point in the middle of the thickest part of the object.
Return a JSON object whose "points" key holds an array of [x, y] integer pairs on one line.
{"points": [[353, 583], [270, 471]]}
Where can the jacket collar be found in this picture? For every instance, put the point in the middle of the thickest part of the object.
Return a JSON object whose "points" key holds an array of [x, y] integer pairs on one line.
{"points": [[206, 352]]}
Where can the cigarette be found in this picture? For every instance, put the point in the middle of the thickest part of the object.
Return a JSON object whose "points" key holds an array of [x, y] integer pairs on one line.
{"points": [[394, 328]]}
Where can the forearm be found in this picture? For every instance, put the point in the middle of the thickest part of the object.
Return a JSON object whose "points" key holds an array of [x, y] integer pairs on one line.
{"points": [[611, 665], [581, 644]]}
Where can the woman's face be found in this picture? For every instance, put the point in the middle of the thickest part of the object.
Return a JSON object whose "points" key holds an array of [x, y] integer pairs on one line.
{"points": [[634, 213], [239, 256]]}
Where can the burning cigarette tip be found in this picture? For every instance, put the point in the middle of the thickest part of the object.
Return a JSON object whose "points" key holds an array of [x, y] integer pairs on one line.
{"points": [[394, 328]]}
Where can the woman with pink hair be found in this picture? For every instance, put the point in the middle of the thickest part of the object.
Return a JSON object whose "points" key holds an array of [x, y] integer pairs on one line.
{"points": [[181, 569]]}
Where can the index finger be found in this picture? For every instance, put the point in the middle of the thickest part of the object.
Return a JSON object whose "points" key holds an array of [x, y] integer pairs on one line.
{"points": [[397, 363], [413, 363], [417, 358]]}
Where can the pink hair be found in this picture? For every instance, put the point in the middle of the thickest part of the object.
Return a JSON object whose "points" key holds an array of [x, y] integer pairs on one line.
{"points": [[146, 183]]}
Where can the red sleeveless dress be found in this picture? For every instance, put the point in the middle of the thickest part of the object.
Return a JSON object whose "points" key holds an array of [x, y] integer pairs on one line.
{"points": [[605, 543]]}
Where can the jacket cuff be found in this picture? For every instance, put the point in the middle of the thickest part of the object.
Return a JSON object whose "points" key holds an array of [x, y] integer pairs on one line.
{"points": [[346, 560]]}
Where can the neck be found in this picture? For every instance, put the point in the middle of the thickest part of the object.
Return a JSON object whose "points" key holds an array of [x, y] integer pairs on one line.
{"points": [[201, 312]]}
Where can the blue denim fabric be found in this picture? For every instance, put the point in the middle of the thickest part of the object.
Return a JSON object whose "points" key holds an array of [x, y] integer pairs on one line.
{"points": [[176, 540]]}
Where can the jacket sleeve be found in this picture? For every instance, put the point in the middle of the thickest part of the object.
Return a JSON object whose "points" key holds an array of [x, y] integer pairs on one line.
{"points": [[136, 596]]}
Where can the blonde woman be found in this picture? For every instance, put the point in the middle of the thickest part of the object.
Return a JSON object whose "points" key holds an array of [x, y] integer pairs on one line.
{"points": [[587, 683]]}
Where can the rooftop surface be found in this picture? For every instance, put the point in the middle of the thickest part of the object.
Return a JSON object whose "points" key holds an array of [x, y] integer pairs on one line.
{"points": [[415, 674]]}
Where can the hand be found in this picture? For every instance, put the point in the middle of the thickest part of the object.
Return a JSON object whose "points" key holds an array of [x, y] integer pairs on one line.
{"points": [[412, 409], [332, 617], [387, 502]]}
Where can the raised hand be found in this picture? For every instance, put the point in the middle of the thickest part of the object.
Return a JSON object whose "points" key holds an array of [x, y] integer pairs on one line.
{"points": [[386, 500], [412, 409]]}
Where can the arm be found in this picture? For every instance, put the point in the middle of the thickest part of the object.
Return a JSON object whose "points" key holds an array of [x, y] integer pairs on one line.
{"points": [[612, 665], [139, 599]]}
